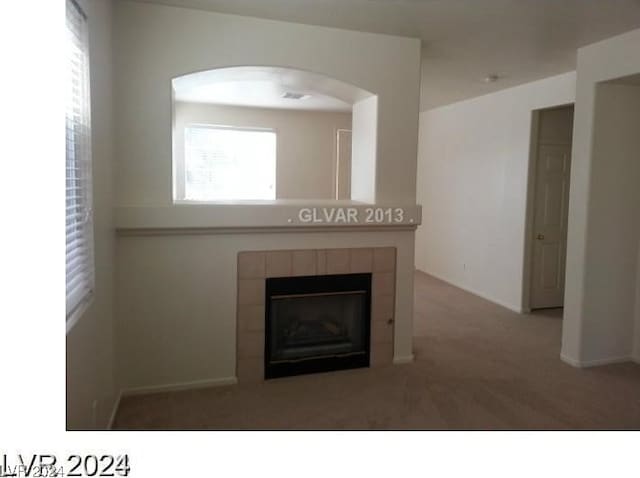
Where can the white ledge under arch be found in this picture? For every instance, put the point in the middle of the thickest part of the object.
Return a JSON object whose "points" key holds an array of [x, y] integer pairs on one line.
{"points": [[261, 218]]}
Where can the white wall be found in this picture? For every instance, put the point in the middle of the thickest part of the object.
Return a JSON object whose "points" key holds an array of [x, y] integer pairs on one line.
{"points": [[90, 360], [177, 300], [156, 43], [603, 206], [364, 147], [473, 163], [305, 146], [176, 289], [614, 224], [636, 346]]}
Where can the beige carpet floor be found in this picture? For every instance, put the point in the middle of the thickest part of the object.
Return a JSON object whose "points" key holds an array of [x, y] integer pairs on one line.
{"points": [[478, 366]]}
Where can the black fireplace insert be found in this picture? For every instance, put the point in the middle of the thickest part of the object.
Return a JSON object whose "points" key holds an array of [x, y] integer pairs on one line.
{"points": [[317, 324]]}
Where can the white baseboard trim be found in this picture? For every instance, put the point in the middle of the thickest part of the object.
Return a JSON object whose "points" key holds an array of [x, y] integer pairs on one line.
{"points": [[114, 411], [403, 360], [596, 362], [173, 387], [570, 361], [517, 310]]}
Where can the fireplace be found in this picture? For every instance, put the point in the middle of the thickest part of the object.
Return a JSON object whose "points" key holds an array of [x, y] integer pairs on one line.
{"points": [[320, 278], [316, 323]]}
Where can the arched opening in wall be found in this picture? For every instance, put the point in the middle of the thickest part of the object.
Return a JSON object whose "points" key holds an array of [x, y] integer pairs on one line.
{"points": [[265, 134]]}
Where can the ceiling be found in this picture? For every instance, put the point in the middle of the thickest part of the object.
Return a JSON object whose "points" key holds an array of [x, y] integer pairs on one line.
{"points": [[264, 87], [463, 41]]}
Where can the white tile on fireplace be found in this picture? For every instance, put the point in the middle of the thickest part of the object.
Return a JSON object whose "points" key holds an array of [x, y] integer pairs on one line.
{"points": [[381, 355], [304, 263], [251, 345], [381, 332], [383, 283], [278, 264], [251, 265], [321, 262], [382, 307], [251, 292], [361, 260], [384, 259], [251, 318], [338, 261]]}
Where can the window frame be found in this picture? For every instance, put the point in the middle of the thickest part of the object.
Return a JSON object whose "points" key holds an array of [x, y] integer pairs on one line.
{"points": [[81, 146], [179, 161]]}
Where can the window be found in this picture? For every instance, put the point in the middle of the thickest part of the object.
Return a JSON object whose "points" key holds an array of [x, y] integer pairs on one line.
{"points": [[79, 223], [226, 163]]}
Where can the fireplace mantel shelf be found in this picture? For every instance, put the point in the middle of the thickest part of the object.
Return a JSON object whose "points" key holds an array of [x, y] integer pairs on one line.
{"points": [[279, 216]]}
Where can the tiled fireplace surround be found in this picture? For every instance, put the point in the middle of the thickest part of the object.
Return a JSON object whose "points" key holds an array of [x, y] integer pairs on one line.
{"points": [[255, 266]]}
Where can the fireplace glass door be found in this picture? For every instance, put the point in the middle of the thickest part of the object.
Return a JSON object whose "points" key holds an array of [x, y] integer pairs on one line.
{"points": [[317, 325], [312, 328]]}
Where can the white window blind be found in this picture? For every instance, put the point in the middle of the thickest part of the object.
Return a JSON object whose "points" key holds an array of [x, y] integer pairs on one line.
{"points": [[79, 222], [227, 163]]}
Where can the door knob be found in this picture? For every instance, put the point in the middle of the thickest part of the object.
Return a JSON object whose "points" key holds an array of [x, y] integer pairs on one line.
{"points": [[540, 237]]}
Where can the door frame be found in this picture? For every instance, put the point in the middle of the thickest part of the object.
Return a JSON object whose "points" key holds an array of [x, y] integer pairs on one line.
{"points": [[527, 264]]}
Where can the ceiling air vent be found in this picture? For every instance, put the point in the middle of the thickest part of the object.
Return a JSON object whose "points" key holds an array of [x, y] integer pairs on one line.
{"points": [[295, 96]]}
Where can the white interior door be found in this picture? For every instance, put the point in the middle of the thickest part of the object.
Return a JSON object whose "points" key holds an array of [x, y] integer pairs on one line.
{"points": [[553, 169], [343, 164]]}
